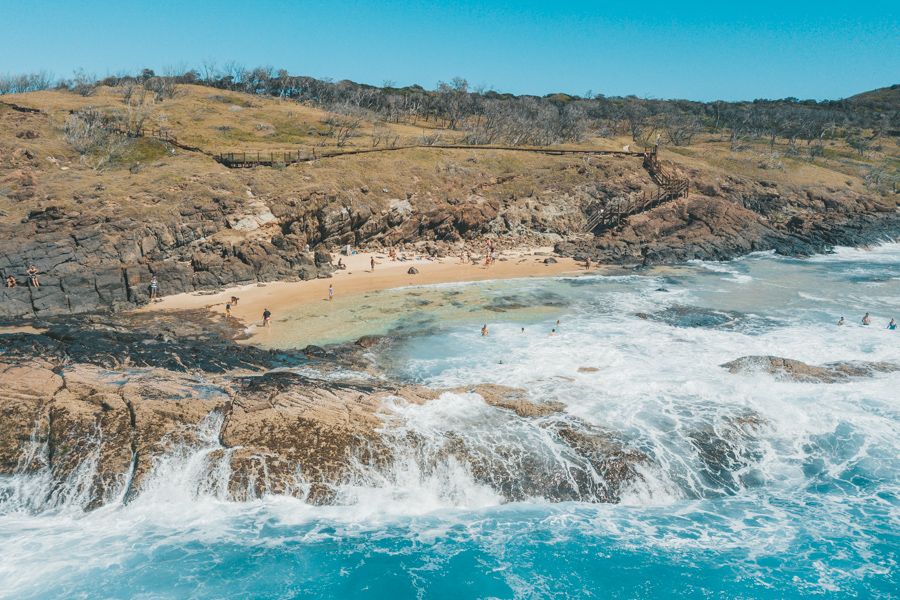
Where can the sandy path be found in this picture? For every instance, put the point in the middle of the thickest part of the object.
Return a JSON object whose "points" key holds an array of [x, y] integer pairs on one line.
{"points": [[358, 278]]}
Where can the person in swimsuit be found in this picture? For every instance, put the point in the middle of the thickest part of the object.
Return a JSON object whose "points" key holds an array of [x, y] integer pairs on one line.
{"points": [[33, 276], [330, 292], [372, 263], [866, 320], [11, 282], [892, 325], [154, 287], [228, 310], [267, 316], [841, 321], [484, 330]]}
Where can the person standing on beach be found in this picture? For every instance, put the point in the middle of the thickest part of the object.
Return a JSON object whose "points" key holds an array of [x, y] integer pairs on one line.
{"points": [[330, 292], [228, 310], [267, 316], [866, 320], [154, 287], [372, 263], [587, 263]]}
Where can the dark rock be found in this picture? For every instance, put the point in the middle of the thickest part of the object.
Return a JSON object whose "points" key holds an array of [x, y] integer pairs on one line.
{"points": [[413, 271], [795, 370]]}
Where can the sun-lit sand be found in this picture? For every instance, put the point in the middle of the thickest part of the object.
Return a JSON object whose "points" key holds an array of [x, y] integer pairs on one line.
{"points": [[358, 278]]}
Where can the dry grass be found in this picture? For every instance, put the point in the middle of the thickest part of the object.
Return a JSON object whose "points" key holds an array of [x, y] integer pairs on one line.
{"points": [[152, 178]]}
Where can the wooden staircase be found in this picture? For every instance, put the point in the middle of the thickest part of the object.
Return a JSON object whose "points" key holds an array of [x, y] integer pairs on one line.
{"points": [[670, 186]]}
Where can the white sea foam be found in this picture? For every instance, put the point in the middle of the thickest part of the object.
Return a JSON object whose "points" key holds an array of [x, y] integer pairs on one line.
{"points": [[821, 464]]}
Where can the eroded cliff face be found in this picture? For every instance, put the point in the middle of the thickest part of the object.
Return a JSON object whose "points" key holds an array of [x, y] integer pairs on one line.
{"points": [[726, 217], [98, 236]]}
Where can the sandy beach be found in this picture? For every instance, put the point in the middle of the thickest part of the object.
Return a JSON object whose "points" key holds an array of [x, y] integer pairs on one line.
{"points": [[287, 297]]}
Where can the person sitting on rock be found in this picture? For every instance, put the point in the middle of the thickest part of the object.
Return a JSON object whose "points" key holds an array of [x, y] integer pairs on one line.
{"points": [[154, 287], [866, 320], [341, 264], [33, 276], [11, 282]]}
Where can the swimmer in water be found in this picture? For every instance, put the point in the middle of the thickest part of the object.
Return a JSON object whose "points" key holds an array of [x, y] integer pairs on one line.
{"points": [[892, 325], [866, 320], [484, 330], [841, 321]]}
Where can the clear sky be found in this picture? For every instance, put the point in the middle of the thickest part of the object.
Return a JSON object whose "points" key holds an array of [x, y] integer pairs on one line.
{"points": [[678, 49]]}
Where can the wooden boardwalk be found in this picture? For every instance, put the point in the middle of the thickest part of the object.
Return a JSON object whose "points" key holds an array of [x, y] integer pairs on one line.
{"points": [[250, 159]]}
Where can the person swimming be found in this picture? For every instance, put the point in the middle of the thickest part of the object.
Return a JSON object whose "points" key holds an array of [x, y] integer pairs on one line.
{"points": [[866, 320], [892, 325], [841, 321], [553, 332], [484, 330]]}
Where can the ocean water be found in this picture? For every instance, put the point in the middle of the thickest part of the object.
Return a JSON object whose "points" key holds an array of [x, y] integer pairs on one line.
{"points": [[805, 503]]}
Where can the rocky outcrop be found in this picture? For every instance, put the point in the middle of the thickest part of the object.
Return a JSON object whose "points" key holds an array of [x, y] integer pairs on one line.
{"points": [[93, 436], [93, 263], [795, 370], [737, 216]]}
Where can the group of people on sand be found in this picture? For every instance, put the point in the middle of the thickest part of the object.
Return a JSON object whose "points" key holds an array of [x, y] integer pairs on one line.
{"points": [[867, 320], [33, 280]]}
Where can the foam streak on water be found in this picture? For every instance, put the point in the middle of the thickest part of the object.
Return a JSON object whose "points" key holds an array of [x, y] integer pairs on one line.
{"points": [[803, 500]]}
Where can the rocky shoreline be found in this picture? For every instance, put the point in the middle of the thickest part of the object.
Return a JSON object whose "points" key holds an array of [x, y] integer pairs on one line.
{"points": [[93, 407], [90, 407]]}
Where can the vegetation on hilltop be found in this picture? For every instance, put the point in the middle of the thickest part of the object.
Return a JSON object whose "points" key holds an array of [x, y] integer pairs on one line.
{"points": [[487, 117]]}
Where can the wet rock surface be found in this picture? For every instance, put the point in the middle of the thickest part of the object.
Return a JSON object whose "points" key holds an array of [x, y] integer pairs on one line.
{"points": [[795, 370], [93, 407]]}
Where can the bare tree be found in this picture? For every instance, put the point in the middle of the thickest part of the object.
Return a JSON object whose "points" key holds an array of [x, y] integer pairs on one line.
{"points": [[89, 133], [82, 83]]}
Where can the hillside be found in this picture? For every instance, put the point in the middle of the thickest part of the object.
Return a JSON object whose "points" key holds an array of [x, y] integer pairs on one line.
{"points": [[98, 212]]}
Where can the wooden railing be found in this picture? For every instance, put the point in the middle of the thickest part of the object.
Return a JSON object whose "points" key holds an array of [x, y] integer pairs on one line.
{"points": [[268, 159], [670, 186]]}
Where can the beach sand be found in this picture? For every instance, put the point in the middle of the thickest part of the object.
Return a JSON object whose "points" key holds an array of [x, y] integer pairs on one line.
{"points": [[289, 297]]}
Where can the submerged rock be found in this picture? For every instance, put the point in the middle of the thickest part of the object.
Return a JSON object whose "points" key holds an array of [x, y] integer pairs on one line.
{"points": [[728, 451], [795, 370]]}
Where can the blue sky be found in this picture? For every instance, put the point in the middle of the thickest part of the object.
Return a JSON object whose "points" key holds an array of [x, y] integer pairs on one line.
{"points": [[678, 49]]}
